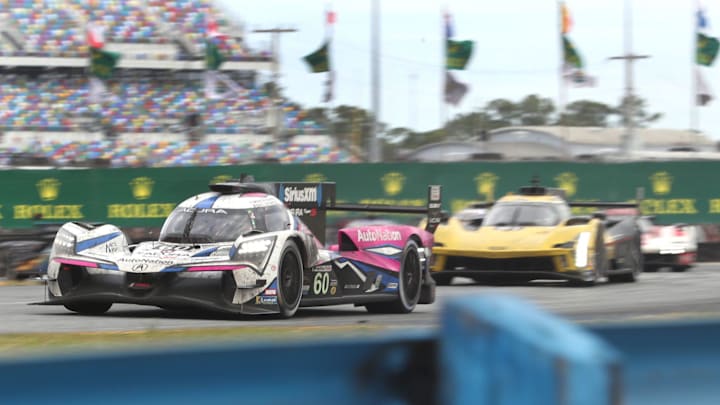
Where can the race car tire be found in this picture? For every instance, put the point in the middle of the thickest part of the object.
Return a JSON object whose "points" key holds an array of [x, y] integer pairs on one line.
{"points": [[680, 269], [409, 285], [442, 279], [635, 260], [651, 268], [289, 280], [89, 308]]}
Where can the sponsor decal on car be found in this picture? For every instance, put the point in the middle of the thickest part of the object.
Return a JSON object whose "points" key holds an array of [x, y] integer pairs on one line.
{"points": [[352, 286], [322, 268], [270, 292], [300, 194], [144, 260], [263, 300], [374, 235], [304, 212]]}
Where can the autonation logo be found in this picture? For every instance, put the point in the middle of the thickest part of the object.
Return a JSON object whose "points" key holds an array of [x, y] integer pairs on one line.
{"points": [[300, 194]]}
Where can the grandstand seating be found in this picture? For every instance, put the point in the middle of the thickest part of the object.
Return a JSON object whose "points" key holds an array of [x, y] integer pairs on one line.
{"points": [[58, 101], [56, 27], [174, 154], [139, 105]]}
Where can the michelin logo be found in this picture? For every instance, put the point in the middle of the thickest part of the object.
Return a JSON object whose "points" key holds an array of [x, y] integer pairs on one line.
{"points": [[374, 235], [300, 194]]}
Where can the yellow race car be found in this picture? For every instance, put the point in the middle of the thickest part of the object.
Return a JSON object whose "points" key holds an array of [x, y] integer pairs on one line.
{"points": [[532, 235]]}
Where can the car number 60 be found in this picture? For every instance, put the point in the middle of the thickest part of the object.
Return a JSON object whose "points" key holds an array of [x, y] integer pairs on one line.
{"points": [[321, 283]]}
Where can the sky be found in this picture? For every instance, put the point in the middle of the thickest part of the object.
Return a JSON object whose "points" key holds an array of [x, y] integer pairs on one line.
{"points": [[517, 53]]}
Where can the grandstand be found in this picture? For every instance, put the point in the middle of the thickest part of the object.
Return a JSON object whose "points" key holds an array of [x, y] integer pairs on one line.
{"points": [[155, 105]]}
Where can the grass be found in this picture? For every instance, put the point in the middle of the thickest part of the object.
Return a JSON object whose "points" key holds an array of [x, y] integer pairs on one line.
{"points": [[24, 344]]}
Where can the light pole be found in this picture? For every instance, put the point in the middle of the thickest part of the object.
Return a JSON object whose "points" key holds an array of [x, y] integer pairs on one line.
{"points": [[276, 75]]}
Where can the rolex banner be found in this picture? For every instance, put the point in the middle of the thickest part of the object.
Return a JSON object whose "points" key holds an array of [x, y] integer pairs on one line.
{"points": [[458, 54], [319, 61]]}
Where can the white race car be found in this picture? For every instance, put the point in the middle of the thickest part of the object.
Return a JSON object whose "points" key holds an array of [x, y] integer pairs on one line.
{"points": [[248, 248], [674, 246]]}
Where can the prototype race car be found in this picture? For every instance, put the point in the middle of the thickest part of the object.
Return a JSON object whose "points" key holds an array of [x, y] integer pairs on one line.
{"points": [[532, 235], [248, 248], [674, 246]]}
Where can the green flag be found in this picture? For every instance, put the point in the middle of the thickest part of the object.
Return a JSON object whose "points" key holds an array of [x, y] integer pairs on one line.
{"points": [[213, 57], [458, 54], [319, 60], [570, 54], [707, 50], [102, 63]]}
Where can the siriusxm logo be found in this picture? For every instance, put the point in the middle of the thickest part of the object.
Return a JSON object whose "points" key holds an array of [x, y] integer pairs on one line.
{"points": [[300, 194]]}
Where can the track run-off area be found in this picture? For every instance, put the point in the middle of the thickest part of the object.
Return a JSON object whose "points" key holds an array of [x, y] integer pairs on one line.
{"points": [[662, 296]]}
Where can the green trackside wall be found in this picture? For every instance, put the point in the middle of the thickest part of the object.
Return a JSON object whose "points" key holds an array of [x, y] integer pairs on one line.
{"points": [[673, 191]]}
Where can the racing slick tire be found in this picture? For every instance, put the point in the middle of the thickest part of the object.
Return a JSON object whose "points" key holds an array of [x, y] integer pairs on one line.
{"points": [[680, 269], [635, 259], [290, 280], [409, 285], [89, 308]]}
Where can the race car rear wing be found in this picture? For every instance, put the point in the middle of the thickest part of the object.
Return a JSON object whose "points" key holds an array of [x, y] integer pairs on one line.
{"points": [[311, 201]]}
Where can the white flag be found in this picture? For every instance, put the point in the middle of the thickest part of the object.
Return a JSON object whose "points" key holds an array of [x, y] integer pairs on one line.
{"points": [[578, 78], [454, 90], [704, 94]]}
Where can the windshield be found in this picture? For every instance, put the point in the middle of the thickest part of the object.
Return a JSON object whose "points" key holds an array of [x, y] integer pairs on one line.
{"points": [[526, 214], [192, 225]]}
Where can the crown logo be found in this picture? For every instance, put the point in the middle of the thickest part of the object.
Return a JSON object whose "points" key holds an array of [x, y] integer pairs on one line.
{"points": [[315, 178], [568, 182], [142, 187], [48, 189], [485, 183], [661, 182], [393, 183]]}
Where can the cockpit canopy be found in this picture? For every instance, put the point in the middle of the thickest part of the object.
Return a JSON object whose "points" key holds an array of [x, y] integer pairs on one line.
{"points": [[527, 213], [216, 225]]}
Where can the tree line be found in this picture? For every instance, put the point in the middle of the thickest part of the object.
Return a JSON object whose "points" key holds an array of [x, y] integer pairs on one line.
{"points": [[351, 126]]}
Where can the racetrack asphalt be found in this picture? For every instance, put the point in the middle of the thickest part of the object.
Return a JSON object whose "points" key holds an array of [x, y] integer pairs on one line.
{"points": [[656, 296]]}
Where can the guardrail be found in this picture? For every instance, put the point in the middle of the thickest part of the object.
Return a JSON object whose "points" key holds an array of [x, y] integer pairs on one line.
{"points": [[490, 349]]}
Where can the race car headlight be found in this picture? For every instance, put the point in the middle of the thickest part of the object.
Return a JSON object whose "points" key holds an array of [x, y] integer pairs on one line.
{"points": [[64, 243], [581, 249], [254, 253]]}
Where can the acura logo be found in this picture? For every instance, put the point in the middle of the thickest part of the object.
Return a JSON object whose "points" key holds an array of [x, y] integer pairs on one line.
{"points": [[140, 267]]}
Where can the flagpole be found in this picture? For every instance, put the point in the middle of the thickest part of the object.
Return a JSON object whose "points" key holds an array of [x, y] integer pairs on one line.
{"points": [[562, 86], [375, 69], [329, 31], [694, 109], [443, 71]]}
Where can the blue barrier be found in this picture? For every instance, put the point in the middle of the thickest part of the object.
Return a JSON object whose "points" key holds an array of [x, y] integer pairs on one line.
{"points": [[498, 350], [490, 349]]}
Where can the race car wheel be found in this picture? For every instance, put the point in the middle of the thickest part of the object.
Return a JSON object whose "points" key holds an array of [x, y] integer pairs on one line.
{"points": [[410, 282], [634, 259], [89, 308], [290, 280], [680, 269]]}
